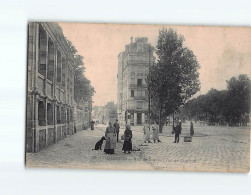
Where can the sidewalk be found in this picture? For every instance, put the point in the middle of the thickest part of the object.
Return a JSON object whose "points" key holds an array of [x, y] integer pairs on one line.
{"points": [[76, 152], [212, 149]]}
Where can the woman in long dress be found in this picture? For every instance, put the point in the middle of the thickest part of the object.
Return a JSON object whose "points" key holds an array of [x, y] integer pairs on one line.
{"points": [[146, 130], [110, 143], [127, 146], [155, 129], [191, 129]]}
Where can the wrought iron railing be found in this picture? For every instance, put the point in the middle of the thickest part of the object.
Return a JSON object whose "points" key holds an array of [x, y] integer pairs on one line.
{"points": [[138, 85], [139, 97]]}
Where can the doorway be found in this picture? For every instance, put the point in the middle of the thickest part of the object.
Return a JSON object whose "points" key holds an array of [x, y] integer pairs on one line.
{"points": [[139, 118]]}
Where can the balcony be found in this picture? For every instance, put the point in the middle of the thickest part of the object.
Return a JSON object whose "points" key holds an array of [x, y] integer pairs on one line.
{"points": [[140, 98], [138, 86]]}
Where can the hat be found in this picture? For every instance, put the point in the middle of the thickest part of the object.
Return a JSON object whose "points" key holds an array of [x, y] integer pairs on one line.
{"points": [[128, 127]]}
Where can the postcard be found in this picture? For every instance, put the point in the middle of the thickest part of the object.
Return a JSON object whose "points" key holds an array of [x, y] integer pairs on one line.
{"points": [[138, 97]]}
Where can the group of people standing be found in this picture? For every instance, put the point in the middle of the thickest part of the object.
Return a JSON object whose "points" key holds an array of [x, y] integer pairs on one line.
{"points": [[112, 135], [155, 132], [155, 129]]}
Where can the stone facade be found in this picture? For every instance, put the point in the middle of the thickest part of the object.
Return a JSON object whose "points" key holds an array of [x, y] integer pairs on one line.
{"points": [[133, 68], [82, 116], [50, 87]]}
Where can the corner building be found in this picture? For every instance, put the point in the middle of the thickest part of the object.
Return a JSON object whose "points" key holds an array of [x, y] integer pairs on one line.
{"points": [[50, 87], [133, 68]]}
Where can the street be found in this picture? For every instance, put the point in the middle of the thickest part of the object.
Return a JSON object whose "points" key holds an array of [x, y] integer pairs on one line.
{"points": [[213, 148]]}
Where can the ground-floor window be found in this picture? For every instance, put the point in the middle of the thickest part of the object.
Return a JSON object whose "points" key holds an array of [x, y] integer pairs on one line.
{"points": [[71, 115], [58, 115], [139, 118], [68, 115], [41, 114], [63, 115], [49, 114]]}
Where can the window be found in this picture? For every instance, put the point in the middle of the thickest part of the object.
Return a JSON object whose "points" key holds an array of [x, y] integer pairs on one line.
{"points": [[42, 50], [139, 82], [71, 115], [49, 114], [132, 93], [50, 71], [58, 115], [132, 81], [68, 115], [63, 115], [59, 64], [139, 105], [63, 72], [139, 47], [139, 93], [41, 114]]}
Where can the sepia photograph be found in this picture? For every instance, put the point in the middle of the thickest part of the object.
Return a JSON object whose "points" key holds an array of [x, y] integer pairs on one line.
{"points": [[138, 97]]}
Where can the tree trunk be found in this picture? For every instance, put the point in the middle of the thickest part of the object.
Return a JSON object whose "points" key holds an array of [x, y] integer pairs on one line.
{"points": [[160, 124], [173, 119]]}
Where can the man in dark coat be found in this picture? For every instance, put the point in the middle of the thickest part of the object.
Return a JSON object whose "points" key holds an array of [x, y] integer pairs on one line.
{"points": [[92, 125], [177, 131], [116, 127], [191, 129]]}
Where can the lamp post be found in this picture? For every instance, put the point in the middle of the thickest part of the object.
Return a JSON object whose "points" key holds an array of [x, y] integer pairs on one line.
{"points": [[149, 100]]}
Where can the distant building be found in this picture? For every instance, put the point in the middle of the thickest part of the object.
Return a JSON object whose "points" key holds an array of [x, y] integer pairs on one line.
{"points": [[98, 114], [110, 112], [133, 68]]}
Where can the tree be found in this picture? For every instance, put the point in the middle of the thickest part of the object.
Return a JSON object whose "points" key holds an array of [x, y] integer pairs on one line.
{"points": [[230, 106], [111, 110], [238, 101], [174, 78], [214, 105], [83, 91]]}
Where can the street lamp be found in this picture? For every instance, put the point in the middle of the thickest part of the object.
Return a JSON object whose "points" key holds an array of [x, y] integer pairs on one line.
{"points": [[149, 100]]}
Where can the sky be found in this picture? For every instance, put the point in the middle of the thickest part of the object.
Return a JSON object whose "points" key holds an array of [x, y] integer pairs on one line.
{"points": [[222, 52]]}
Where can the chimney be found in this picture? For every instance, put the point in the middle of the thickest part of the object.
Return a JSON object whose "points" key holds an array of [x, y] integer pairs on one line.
{"points": [[131, 39]]}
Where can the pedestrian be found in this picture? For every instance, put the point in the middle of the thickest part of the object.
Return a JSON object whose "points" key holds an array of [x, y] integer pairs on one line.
{"points": [[110, 136], [167, 121], [127, 146], [191, 129], [75, 129], [177, 131], [92, 125], [146, 129], [155, 129], [116, 127]]}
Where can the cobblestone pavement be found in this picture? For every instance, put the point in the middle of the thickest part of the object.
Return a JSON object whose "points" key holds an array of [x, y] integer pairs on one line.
{"points": [[212, 149]]}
